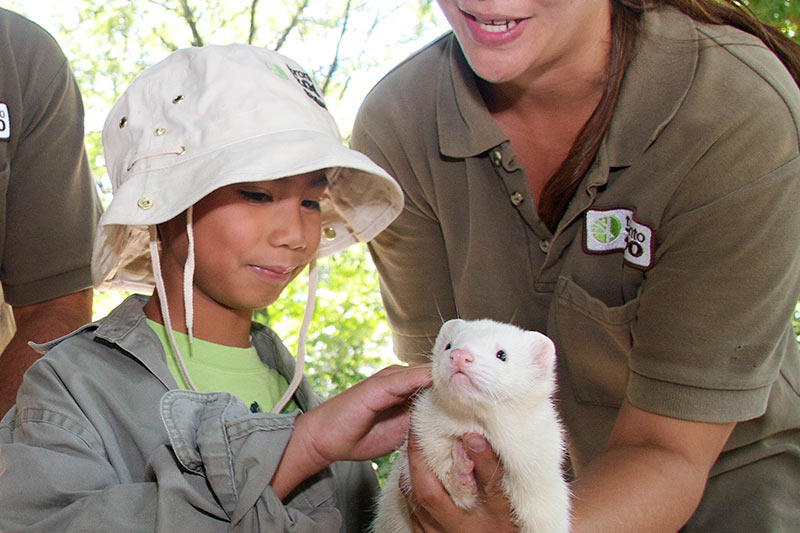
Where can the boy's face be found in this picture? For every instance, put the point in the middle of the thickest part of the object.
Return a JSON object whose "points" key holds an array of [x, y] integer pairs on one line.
{"points": [[251, 240]]}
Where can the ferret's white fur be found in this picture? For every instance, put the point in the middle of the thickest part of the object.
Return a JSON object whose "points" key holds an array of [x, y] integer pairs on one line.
{"points": [[510, 402]]}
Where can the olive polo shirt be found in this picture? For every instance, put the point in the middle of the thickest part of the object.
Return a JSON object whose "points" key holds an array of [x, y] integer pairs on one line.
{"points": [[49, 205], [673, 274]]}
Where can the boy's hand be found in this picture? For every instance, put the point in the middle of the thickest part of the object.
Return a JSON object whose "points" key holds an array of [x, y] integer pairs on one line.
{"points": [[367, 420]]}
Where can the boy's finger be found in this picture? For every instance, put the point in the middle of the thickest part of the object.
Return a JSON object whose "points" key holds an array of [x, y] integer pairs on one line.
{"points": [[399, 382]]}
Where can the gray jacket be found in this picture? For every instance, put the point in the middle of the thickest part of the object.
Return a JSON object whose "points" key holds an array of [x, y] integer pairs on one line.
{"points": [[101, 440]]}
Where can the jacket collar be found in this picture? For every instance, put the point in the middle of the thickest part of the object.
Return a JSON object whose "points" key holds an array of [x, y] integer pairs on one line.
{"points": [[126, 326], [655, 85]]}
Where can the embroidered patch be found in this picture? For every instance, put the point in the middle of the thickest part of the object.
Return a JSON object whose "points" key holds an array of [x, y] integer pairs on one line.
{"points": [[614, 230], [277, 70], [5, 122], [308, 85]]}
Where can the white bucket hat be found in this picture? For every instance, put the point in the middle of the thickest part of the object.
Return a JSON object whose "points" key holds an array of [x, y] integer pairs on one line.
{"points": [[211, 116]]}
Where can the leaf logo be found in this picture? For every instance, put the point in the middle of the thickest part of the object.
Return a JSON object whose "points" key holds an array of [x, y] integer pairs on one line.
{"points": [[606, 229], [277, 70], [616, 230]]}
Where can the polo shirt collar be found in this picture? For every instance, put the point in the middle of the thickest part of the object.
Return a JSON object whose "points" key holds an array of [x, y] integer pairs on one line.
{"points": [[465, 126], [655, 85]]}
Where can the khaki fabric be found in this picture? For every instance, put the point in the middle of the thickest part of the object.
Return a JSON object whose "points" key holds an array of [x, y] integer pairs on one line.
{"points": [[49, 205], [690, 316]]}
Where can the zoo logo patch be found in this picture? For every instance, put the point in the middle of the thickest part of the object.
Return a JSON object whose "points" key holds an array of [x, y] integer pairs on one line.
{"points": [[5, 123], [615, 230], [302, 78], [308, 86]]}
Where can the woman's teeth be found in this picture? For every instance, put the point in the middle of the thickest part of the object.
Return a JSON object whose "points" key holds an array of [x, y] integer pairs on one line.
{"points": [[497, 25]]}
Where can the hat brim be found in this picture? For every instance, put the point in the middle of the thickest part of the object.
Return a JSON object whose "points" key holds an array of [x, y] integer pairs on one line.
{"points": [[360, 201]]}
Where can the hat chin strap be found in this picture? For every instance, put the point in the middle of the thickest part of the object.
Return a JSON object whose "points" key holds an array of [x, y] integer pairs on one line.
{"points": [[308, 312], [188, 278], [162, 297], [188, 282]]}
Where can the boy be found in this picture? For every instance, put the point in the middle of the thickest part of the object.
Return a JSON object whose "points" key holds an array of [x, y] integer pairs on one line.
{"points": [[225, 166]]}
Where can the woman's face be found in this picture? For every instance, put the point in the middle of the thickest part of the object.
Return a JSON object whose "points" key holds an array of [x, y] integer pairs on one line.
{"points": [[524, 41]]}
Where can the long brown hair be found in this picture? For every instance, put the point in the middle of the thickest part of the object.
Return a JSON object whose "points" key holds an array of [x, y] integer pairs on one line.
{"points": [[626, 26]]}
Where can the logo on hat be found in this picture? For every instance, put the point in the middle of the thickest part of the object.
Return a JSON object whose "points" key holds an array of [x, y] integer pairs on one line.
{"points": [[308, 85], [5, 122], [277, 69], [614, 230]]}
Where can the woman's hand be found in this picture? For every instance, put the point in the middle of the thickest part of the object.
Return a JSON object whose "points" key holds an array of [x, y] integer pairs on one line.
{"points": [[431, 508], [367, 420]]}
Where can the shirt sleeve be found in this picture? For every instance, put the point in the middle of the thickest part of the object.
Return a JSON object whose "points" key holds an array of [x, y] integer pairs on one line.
{"points": [[52, 204], [713, 327]]}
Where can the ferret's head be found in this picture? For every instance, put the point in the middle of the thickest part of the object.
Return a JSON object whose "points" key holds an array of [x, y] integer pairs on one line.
{"points": [[484, 361]]}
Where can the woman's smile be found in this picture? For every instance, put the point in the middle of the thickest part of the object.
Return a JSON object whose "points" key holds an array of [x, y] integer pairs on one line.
{"points": [[493, 30]]}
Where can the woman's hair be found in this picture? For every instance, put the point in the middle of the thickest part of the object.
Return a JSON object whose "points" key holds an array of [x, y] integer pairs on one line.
{"points": [[626, 25]]}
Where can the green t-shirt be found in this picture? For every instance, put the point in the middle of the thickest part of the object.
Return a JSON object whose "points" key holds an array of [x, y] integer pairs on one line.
{"points": [[214, 367]]}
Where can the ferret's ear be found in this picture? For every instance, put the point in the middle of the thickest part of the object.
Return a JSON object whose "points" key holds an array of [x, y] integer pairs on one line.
{"points": [[542, 349], [446, 332]]}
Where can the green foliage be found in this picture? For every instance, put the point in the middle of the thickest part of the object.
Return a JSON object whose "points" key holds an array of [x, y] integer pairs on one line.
{"points": [[349, 338], [796, 321], [782, 14]]}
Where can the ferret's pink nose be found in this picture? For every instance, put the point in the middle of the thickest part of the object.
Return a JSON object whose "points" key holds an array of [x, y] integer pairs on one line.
{"points": [[461, 358]]}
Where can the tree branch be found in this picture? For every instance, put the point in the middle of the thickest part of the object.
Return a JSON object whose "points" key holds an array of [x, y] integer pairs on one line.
{"points": [[335, 62], [295, 19], [188, 16], [169, 45], [252, 33]]}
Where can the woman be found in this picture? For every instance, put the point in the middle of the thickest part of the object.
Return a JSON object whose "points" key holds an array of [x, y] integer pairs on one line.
{"points": [[624, 178]]}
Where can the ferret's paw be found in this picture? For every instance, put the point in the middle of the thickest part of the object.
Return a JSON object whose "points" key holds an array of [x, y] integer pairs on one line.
{"points": [[462, 486]]}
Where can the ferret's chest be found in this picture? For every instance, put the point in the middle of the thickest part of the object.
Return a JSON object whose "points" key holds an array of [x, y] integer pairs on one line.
{"points": [[434, 420]]}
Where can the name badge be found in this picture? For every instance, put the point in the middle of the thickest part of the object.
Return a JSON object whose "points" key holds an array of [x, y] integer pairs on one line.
{"points": [[5, 122], [615, 230]]}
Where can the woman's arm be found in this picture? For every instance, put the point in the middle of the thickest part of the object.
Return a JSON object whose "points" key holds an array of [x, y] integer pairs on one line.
{"points": [[650, 477]]}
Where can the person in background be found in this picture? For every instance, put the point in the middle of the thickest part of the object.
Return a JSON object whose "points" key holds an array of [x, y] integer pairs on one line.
{"points": [[623, 176], [49, 207]]}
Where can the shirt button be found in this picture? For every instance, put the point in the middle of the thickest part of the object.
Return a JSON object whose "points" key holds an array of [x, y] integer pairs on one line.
{"points": [[544, 245], [144, 203], [497, 157], [517, 198]]}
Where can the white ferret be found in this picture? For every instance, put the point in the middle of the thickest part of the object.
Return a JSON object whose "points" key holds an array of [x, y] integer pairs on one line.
{"points": [[497, 380]]}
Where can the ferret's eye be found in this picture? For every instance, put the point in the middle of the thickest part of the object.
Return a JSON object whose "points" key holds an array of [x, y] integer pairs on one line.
{"points": [[501, 355], [448, 346]]}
